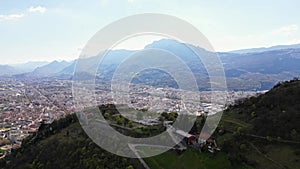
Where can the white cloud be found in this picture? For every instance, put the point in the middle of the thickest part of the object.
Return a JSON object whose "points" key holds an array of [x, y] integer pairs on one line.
{"points": [[11, 17], [39, 9], [21, 15], [285, 30]]}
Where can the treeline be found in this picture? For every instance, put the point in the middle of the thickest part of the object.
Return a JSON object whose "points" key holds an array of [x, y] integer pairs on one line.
{"points": [[133, 128]]}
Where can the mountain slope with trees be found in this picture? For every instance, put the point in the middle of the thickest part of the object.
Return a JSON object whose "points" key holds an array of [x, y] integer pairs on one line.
{"points": [[263, 131], [64, 145]]}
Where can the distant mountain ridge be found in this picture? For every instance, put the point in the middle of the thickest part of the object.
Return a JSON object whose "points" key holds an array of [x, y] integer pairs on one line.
{"points": [[47, 70], [50, 69], [6, 70], [251, 69], [264, 49], [29, 66]]}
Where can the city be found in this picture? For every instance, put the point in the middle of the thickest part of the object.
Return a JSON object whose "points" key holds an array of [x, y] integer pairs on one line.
{"points": [[27, 103]]}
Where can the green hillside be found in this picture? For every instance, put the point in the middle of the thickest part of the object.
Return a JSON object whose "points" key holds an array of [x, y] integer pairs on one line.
{"points": [[260, 132], [264, 131], [64, 145]]}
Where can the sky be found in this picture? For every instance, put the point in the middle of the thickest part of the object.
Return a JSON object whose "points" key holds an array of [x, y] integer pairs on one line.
{"points": [[47, 30]]}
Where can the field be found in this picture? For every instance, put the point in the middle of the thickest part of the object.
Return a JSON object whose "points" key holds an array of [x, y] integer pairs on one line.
{"points": [[190, 159]]}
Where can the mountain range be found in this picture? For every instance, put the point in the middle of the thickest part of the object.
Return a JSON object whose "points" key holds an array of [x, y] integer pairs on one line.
{"points": [[247, 69], [264, 49]]}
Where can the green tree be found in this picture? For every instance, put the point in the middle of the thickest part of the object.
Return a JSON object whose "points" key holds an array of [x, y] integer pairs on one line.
{"points": [[243, 147], [130, 167], [253, 114], [116, 117], [106, 115], [239, 130]]}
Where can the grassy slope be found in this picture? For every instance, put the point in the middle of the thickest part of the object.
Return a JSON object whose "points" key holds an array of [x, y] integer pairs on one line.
{"points": [[266, 123], [188, 160]]}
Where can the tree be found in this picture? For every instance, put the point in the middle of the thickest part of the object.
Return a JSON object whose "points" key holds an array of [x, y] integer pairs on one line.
{"points": [[165, 115], [253, 114], [130, 167], [106, 115], [243, 147], [116, 117], [239, 130], [172, 116]]}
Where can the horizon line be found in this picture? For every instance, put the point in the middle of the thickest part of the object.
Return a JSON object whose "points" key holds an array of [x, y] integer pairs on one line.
{"points": [[221, 51]]}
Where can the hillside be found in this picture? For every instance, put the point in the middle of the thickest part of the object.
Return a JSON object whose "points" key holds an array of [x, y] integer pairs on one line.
{"points": [[263, 131], [275, 113], [258, 132], [64, 145]]}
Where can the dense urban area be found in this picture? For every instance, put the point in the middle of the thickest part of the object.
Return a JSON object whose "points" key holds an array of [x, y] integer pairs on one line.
{"points": [[27, 103]]}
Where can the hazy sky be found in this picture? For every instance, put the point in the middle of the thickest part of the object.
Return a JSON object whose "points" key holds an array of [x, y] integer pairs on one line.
{"points": [[55, 29]]}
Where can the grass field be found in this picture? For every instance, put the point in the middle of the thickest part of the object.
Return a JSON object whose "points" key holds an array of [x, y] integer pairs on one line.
{"points": [[190, 159], [274, 156]]}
